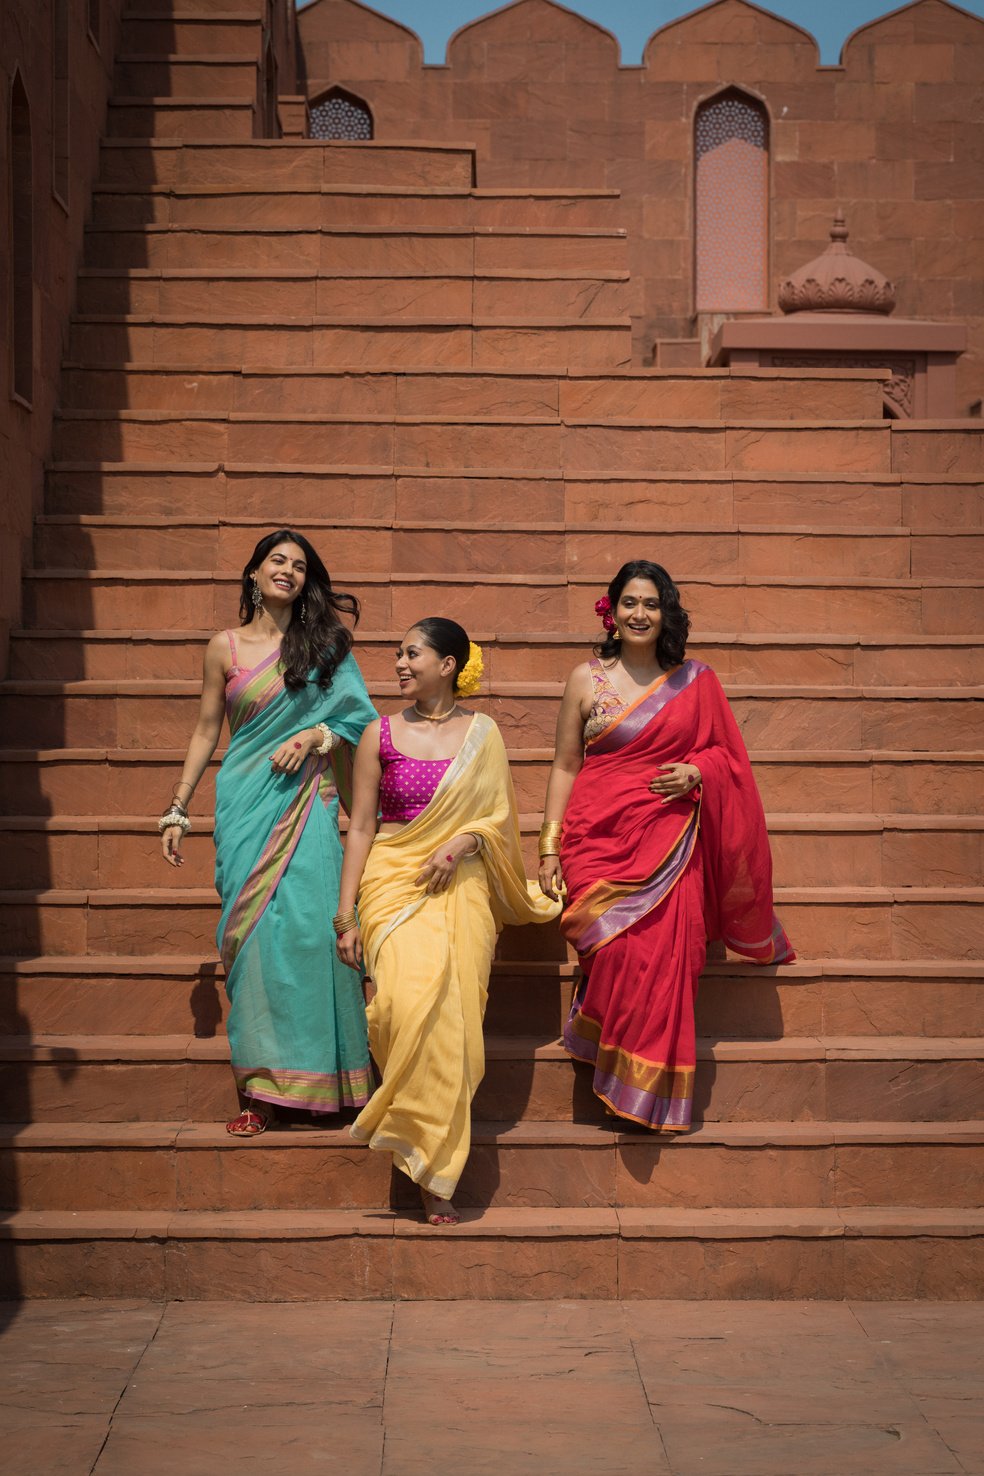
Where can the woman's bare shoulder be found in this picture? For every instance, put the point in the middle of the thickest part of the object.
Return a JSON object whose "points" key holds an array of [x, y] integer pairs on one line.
{"points": [[579, 680]]}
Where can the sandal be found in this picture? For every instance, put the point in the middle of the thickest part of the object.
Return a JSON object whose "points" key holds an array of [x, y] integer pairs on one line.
{"points": [[434, 1216], [248, 1124]]}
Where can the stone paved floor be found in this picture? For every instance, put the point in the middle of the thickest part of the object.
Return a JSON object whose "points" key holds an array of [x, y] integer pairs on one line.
{"points": [[508, 1388]]}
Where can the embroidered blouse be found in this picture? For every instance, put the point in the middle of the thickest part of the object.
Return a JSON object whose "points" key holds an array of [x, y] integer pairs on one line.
{"points": [[607, 704], [408, 784]]}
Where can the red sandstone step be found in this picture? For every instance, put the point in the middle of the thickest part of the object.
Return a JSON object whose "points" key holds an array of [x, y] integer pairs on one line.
{"points": [[107, 655], [500, 1254], [197, 1167], [175, 117], [305, 493], [68, 851], [419, 343], [133, 714], [65, 541], [306, 292], [300, 204], [657, 393], [633, 446], [144, 1078], [927, 446], [113, 781], [190, 30], [262, 164], [197, 7], [130, 599], [174, 75], [371, 248], [825, 922], [185, 995]]}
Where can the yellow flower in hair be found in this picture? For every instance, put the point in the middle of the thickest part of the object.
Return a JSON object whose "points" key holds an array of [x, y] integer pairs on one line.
{"points": [[470, 676]]}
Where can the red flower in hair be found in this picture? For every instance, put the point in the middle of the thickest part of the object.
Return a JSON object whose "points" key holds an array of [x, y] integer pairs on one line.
{"points": [[603, 607]]}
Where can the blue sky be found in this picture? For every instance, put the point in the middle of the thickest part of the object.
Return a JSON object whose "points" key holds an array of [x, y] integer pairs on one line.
{"points": [[633, 21]]}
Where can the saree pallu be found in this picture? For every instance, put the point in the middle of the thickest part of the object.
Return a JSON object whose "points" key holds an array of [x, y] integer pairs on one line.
{"points": [[430, 959], [648, 882], [296, 1024]]}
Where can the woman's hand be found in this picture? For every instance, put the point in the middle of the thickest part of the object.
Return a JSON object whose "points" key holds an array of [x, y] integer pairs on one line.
{"points": [[437, 874], [171, 840], [349, 948], [291, 755], [551, 877], [673, 781]]}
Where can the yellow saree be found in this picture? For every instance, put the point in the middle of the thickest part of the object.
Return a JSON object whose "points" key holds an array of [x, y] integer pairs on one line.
{"points": [[430, 958]]}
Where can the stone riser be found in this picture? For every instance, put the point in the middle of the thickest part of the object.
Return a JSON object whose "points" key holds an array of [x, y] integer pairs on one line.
{"points": [[172, 118], [140, 601], [199, 7], [576, 397], [68, 856], [547, 1089], [193, 1170], [367, 345], [161, 656], [319, 492], [458, 298], [514, 1256], [892, 554], [266, 205], [266, 165], [594, 447], [254, 246], [846, 923], [187, 997], [207, 33], [784, 718], [103, 782], [186, 76]]}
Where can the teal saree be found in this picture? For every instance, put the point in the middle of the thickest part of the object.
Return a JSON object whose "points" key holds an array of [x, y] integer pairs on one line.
{"points": [[297, 1025]]}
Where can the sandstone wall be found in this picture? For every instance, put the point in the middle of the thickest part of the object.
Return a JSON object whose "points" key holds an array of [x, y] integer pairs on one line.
{"points": [[26, 46], [892, 134]]}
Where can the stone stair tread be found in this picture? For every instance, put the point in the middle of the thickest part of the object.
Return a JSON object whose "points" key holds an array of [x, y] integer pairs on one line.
{"points": [[209, 1135], [500, 1223], [255, 228], [201, 896], [317, 417], [329, 320], [576, 640], [187, 520], [188, 1047], [304, 274], [526, 755]]}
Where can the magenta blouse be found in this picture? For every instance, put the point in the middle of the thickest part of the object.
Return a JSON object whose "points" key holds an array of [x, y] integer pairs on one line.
{"points": [[408, 784]]}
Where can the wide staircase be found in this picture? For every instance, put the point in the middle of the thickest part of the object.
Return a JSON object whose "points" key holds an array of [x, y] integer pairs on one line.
{"points": [[433, 381]]}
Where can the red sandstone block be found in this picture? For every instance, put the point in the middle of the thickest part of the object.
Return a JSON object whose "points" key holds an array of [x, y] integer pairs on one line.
{"points": [[137, 76], [420, 346], [920, 787], [191, 35], [474, 498], [173, 119], [584, 346]]}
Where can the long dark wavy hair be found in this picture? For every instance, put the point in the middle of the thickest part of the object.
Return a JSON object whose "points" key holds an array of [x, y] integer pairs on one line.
{"points": [[319, 639], [671, 643], [447, 638]]}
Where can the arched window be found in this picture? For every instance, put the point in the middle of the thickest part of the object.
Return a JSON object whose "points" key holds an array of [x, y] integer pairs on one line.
{"points": [[340, 114], [60, 88], [731, 204], [22, 243]]}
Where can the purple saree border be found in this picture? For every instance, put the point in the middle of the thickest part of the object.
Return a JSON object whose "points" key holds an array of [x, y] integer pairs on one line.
{"points": [[630, 909], [633, 723], [672, 1113]]}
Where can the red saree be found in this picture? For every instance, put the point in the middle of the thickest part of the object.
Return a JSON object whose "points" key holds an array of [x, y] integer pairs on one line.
{"points": [[649, 881]]}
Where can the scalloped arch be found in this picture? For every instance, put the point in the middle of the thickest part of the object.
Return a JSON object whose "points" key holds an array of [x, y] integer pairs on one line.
{"points": [[890, 16], [558, 18], [705, 24]]}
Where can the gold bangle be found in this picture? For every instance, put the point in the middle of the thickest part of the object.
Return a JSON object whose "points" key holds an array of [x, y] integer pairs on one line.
{"points": [[550, 833], [344, 922]]}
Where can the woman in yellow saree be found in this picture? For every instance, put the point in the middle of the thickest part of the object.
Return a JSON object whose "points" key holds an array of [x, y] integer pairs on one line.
{"points": [[435, 885]]}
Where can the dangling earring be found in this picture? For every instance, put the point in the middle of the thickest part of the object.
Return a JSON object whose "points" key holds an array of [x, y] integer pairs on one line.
{"points": [[304, 612], [256, 597]]}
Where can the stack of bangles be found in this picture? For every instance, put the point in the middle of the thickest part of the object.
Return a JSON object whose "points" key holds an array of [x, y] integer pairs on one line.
{"points": [[175, 815], [550, 832], [344, 922]]}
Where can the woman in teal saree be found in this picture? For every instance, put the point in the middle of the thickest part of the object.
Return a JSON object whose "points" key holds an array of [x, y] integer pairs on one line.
{"points": [[297, 706]]}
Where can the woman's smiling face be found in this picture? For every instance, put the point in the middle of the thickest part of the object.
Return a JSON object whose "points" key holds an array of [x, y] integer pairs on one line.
{"points": [[281, 576], [638, 614], [420, 671]]}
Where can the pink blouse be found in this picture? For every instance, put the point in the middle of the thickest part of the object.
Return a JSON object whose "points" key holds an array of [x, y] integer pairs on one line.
{"points": [[408, 784]]}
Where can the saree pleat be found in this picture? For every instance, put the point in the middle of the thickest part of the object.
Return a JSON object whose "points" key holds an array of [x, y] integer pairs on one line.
{"points": [[650, 881], [430, 959], [296, 1023]]}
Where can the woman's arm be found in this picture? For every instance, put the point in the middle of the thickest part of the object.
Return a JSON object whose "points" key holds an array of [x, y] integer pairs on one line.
{"points": [[204, 739], [568, 758], [358, 842]]}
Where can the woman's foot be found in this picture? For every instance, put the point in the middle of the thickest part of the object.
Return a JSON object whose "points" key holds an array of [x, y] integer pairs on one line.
{"points": [[438, 1211], [249, 1124]]}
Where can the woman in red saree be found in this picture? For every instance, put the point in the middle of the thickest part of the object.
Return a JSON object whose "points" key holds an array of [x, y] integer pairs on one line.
{"points": [[654, 823]]}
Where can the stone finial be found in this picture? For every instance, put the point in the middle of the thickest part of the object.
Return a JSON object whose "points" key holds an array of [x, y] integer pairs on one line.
{"points": [[837, 281]]}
